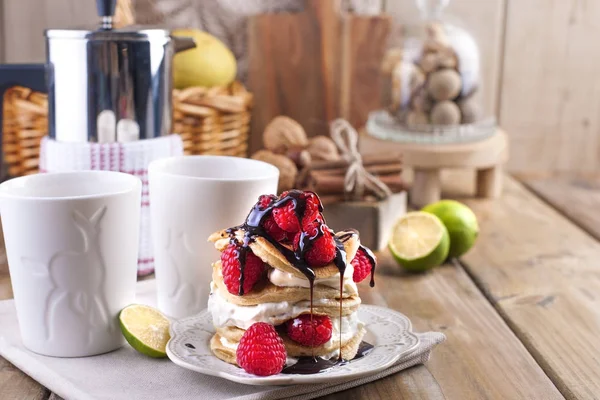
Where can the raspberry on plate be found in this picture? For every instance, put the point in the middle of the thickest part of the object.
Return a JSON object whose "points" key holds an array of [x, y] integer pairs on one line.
{"points": [[261, 350], [286, 217], [301, 331], [362, 266], [320, 243], [230, 263]]}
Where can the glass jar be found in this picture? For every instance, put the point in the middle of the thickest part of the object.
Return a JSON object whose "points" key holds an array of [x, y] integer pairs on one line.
{"points": [[432, 84]]}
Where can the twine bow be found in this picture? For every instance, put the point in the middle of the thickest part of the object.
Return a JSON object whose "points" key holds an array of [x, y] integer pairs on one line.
{"points": [[357, 178]]}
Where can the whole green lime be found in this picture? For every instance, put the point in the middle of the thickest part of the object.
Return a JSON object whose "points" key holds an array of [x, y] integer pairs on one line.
{"points": [[419, 241], [461, 223]]}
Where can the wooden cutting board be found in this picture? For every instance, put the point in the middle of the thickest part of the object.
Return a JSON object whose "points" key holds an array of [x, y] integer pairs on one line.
{"points": [[314, 66], [364, 42]]}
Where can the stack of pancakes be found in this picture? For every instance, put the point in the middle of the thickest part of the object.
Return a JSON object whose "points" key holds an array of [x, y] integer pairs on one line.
{"points": [[283, 294]]}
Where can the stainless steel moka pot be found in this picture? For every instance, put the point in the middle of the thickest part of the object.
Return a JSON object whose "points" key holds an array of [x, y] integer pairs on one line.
{"points": [[107, 84]]}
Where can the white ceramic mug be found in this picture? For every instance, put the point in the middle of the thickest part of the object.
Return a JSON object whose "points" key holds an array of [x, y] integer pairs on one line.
{"points": [[192, 197], [72, 244]]}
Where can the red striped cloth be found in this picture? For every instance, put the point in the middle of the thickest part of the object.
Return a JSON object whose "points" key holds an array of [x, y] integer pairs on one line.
{"points": [[132, 158]]}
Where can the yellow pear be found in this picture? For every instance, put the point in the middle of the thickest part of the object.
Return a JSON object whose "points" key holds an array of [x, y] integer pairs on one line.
{"points": [[210, 63]]}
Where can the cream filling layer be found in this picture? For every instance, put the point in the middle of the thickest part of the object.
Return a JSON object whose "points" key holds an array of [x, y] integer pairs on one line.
{"points": [[225, 314], [350, 326]]}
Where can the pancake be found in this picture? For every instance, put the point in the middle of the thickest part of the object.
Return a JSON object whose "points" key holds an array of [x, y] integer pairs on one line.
{"points": [[227, 354], [263, 249], [266, 292]]}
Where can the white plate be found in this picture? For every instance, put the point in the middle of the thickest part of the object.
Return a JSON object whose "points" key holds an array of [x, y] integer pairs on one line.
{"points": [[387, 330]]}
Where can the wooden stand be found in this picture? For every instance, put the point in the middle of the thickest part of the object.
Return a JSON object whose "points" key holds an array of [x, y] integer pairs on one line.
{"points": [[486, 156]]}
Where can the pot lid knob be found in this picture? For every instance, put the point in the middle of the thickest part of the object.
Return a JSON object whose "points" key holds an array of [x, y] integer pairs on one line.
{"points": [[106, 10]]}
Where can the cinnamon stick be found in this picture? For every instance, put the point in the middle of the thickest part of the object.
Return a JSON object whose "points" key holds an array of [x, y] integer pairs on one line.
{"points": [[383, 169], [334, 184], [332, 198], [368, 160]]}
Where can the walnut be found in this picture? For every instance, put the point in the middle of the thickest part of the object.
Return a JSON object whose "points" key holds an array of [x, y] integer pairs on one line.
{"points": [[447, 59], [437, 39], [390, 60], [429, 62], [445, 113], [288, 171], [470, 110], [433, 61], [284, 133], [416, 118], [422, 102], [406, 79], [444, 84], [323, 148]]}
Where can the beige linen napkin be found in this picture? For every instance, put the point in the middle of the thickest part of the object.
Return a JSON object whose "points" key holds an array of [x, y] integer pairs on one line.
{"points": [[126, 374]]}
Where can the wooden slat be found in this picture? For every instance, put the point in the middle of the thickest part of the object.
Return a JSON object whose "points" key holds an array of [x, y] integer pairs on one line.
{"points": [[22, 32], [481, 358], [576, 198], [2, 34], [15, 385], [484, 19], [542, 273], [416, 383], [549, 92]]}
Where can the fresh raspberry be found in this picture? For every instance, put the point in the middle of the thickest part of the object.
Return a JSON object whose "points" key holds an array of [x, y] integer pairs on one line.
{"points": [[301, 331], [362, 266], [321, 249], [317, 220], [261, 350], [313, 208], [286, 218], [253, 270], [266, 200], [274, 230]]}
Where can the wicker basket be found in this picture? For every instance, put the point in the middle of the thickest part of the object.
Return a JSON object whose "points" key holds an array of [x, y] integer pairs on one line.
{"points": [[25, 123], [213, 120], [210, 121]]}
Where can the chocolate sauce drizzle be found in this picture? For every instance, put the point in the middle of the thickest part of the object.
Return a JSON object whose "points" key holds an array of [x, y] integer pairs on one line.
{"points": [[252, 228], [310, 365]]}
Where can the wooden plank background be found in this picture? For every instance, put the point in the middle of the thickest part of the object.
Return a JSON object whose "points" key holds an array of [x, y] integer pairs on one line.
{"points": [[539, 67]]}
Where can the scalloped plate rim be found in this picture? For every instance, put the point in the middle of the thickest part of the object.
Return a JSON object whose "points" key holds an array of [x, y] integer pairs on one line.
{"points": [[293, 379]]}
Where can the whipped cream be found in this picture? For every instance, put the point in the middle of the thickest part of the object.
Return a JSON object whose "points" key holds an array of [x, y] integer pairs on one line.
{"points": [[349, 328], [286, 279], [228, 344], [225, 313]]}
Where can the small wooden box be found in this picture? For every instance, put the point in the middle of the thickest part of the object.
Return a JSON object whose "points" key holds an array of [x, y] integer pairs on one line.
{"points": [[374, 221]]}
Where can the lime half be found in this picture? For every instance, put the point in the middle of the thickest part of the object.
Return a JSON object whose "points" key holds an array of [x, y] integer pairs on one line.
{"points": [[461, 223], [419, 241], [145, 329]]}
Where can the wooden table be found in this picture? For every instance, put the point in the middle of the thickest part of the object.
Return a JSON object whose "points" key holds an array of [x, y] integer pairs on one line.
{"points": [[521, 311]]}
